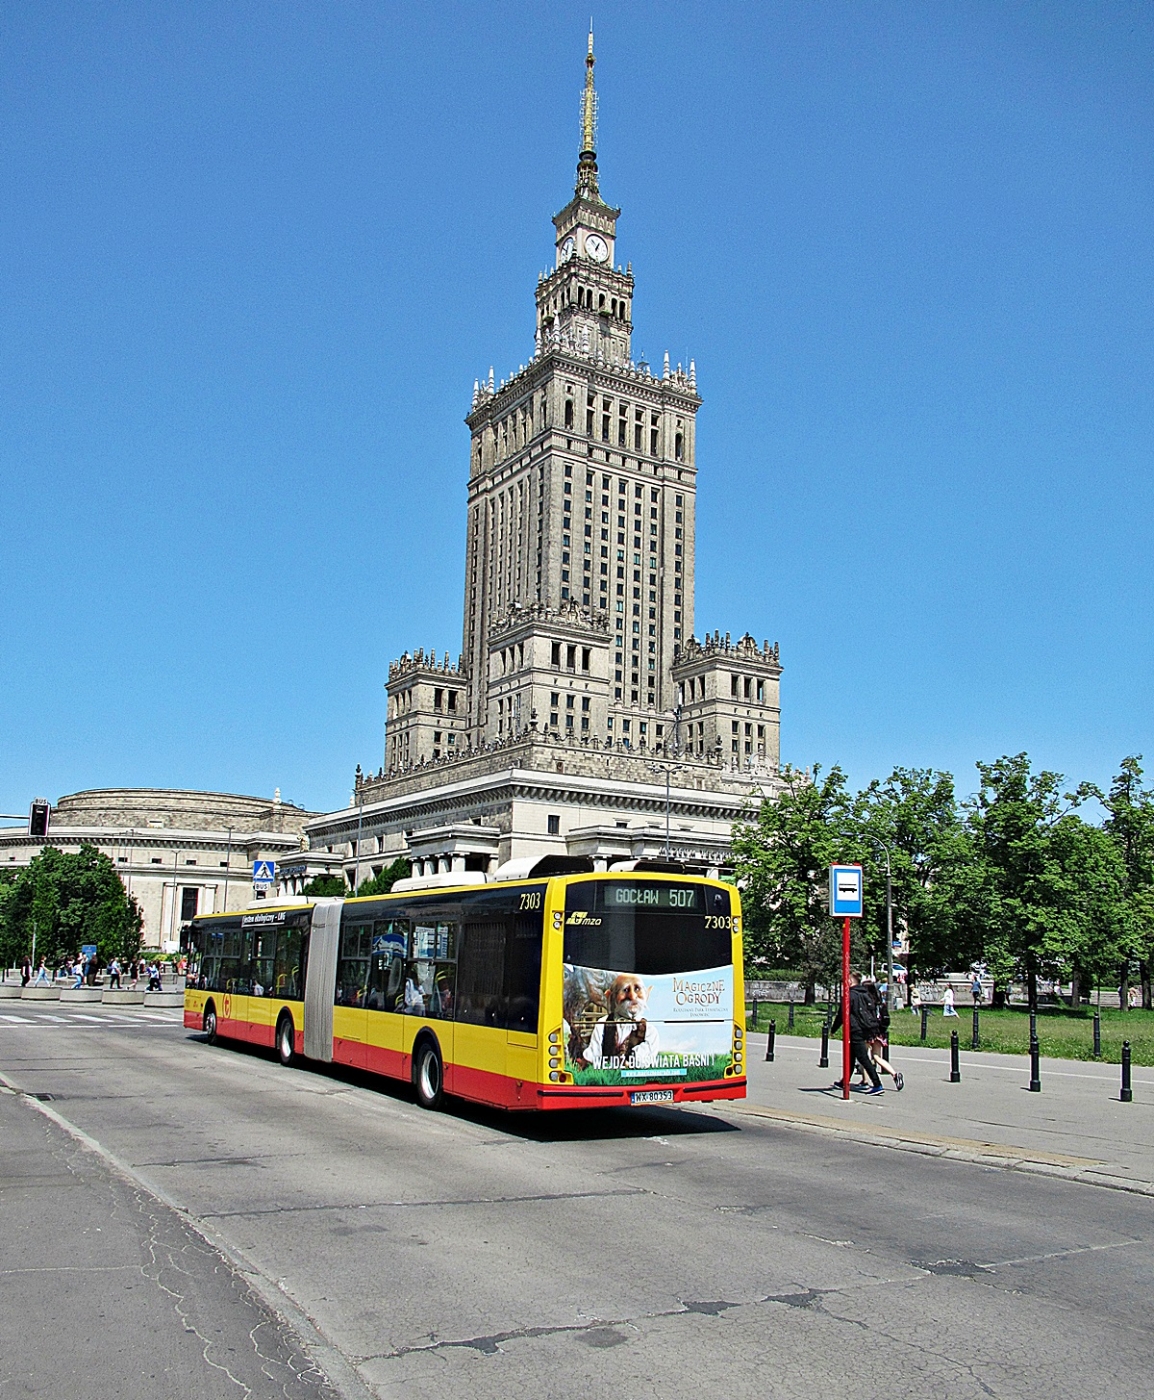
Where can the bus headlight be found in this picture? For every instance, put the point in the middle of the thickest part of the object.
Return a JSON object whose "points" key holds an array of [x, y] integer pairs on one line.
{"points": [[554, 1064], [554, 1077]]}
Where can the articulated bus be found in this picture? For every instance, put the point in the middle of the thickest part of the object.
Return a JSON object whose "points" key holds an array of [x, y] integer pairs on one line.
{"points": [[554, 990]]}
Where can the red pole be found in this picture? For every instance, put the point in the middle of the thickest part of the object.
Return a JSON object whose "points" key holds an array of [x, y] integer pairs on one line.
{"points": [[845, 1062]]}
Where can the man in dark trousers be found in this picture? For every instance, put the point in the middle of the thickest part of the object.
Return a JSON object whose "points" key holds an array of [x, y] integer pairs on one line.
{"points": [[863, 1027]]}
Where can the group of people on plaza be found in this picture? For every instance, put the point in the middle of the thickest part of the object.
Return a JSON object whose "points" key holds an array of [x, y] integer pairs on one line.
{"points": [[84, 969]]}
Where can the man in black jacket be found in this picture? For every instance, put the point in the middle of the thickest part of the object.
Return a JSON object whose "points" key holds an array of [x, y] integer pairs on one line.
{"points": [[863, 1027]]}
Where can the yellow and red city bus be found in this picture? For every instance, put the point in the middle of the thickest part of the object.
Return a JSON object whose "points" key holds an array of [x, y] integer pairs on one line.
{"points": [[552, 991]]}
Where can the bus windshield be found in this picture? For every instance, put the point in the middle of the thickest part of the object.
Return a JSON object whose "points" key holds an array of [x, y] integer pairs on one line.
{"points": [[649, 927]]}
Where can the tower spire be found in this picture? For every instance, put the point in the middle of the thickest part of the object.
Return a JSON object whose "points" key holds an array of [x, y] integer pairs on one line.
{"points": [[587, 160]]}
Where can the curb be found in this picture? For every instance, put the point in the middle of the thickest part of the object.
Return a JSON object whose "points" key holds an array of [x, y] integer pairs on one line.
{"points": [[1087, 1170]]}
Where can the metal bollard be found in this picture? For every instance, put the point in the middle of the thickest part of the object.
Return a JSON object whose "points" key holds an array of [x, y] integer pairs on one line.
{"points": [[771, 1042], [823, 1063], [925, 1020], [976, 1034], [1127, 1092], [1033, 1024], [1097, 1035], [791, 1013], [955, 1065], [1035, 1069]]}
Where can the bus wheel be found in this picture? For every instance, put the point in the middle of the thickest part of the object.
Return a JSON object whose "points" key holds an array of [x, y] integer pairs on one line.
{"points": [[286, 1040], [210, 1023], [428, 1075]]}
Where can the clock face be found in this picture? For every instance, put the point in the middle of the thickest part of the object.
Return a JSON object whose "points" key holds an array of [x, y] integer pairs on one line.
{"points": [[596, 247], [565, 252]]}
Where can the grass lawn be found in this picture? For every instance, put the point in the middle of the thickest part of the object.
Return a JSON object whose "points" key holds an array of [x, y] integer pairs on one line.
{"points": [[1067, 1035]]}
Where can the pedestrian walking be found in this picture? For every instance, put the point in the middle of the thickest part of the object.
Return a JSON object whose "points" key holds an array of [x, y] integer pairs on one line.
{"points": [[78, 969], [879, 1045], [25, 970], [114, 973], [863, 1027], [948, 1008], [976, 989], [42, 978]]}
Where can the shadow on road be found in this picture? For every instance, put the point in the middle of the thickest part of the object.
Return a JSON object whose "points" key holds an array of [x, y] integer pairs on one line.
{"points": [[571, 1125]]}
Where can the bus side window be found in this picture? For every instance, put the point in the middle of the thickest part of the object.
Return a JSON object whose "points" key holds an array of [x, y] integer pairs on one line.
{"points": [[523, 972], [481, 971], [264, 962], [386, 974], [286, 969], [353, 966]]}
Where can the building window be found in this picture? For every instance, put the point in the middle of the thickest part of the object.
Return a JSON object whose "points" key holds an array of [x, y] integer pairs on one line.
{"points": [[189, 898], [554, 825]]}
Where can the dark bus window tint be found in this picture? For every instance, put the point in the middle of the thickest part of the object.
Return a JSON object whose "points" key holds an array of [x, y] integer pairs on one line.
{"points": [[353, 964], [288, 979], [264, 959], [523, 972], [649, 939], [481, 972]]}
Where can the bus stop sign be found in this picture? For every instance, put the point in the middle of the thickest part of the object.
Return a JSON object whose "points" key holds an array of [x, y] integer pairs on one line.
{"points": [[845, 891]]}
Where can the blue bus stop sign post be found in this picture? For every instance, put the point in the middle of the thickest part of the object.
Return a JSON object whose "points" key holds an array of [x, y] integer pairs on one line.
{"points": [[846, 891]]}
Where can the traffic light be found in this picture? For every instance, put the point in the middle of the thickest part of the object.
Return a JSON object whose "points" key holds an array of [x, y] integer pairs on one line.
{"points": [[38, 817]]}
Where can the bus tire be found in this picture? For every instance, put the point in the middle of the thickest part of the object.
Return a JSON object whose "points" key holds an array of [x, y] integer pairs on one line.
{"points": [[286, 1039], [428, 1074], [209, 1023]]}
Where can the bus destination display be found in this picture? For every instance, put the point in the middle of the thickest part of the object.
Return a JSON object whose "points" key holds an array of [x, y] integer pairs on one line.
{"points": [[652, 897]]}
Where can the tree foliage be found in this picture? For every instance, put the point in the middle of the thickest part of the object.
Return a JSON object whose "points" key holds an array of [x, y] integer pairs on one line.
{"points": [[65, 900], [1014, 877], [400, 869]]}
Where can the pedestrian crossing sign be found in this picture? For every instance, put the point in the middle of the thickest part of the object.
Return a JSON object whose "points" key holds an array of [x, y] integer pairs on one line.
{"points": [[264, 874]]}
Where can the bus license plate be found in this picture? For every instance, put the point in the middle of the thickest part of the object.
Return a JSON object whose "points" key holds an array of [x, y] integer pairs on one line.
{"points": [[651, 1096]]}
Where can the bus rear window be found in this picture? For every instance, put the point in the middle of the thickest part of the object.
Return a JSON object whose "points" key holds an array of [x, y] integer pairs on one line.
{"points": [[647, 926]]}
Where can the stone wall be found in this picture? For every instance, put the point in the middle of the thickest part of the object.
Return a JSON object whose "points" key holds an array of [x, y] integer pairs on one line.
{"points": [[166, 808]]}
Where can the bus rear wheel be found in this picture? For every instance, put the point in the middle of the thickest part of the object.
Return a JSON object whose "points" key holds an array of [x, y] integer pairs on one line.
{"points": [[428, 1075], [286, 1040], [210, 1024]]}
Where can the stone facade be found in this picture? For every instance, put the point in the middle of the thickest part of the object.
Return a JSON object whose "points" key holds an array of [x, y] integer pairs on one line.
{"points": [[179, 853], [580, 684]]}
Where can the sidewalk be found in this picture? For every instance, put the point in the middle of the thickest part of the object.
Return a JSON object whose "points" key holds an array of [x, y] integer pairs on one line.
{"points": [[1076, 1127]]}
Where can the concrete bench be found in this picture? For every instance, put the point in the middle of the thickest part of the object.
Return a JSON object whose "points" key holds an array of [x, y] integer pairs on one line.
{"points": [[164, 998], [41, 993], [123, 996], [80, 994]]}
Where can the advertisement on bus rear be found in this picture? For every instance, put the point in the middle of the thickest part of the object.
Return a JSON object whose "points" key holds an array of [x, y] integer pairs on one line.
{"points": [[622, 1028]]}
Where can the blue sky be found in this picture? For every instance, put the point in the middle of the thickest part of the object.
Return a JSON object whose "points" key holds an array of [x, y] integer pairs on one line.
{"points": [[254, 255]]}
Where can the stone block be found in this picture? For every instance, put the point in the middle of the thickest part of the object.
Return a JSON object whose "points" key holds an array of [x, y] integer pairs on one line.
{"points": [[163, 998], [122, 996], [41, 993]]}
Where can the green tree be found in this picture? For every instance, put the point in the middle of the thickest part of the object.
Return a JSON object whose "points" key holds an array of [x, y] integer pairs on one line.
{"points": [[1021, 886], [325, 887], [400, 869], [61, 901], [1130, 827], [914, 813], [782, 856]]}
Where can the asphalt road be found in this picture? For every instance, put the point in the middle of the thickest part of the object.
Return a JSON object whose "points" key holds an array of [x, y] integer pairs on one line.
{"points": [[641, 1253]]}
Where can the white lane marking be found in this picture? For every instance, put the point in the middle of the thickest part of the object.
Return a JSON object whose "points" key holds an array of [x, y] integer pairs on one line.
{"points": [[96, 1020], [21, 1020]]}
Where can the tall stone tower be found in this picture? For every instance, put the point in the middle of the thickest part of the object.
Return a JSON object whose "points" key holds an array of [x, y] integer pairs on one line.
{"points": [[581, 497]]}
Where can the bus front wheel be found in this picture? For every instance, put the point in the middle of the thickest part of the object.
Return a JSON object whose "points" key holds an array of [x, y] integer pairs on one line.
{"points": [[209, 1023], [428, 1075], [286, 1040]]}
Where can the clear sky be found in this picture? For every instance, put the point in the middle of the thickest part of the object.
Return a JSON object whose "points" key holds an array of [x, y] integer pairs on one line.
{"points": [[253, 256]]}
